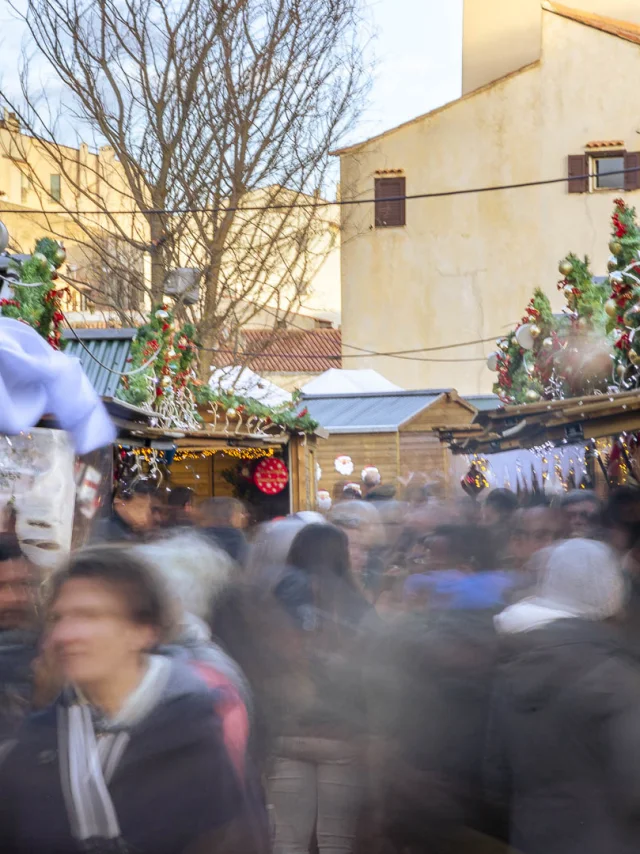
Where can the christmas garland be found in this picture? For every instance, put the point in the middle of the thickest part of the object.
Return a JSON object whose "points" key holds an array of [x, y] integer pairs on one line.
{"points": [[169, 384], [35, 299]]}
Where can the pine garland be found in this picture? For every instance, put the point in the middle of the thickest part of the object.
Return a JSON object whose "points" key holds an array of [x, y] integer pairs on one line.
{"points": [[39, 306], [174, 366]]}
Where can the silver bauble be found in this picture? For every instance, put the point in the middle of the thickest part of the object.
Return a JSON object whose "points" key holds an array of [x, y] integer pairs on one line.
{"points": [[492, 361], [162, 314], [612, 263]]}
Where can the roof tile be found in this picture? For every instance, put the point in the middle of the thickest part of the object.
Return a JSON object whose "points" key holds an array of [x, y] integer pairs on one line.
{"points": [[622, 29], [296, 351]]}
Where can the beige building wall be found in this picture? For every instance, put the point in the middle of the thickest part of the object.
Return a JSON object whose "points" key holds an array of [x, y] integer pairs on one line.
{"points": [[501, 36], [464, 267], [498, 37]]}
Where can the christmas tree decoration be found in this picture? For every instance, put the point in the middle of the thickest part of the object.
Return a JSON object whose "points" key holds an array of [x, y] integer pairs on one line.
{"points": [[611, 308], [492, 361], [525, 336], [34, 299], [474, 481], [566, 267]]}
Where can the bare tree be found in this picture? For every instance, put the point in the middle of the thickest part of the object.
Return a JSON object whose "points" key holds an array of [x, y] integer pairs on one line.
{"points": [[216, 119]]}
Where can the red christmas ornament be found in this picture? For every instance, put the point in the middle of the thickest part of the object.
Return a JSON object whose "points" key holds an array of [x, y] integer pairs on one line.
{"points": [[271, 476]]}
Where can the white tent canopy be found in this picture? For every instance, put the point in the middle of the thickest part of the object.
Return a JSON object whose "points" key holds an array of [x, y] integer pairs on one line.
{"points": [[338, 381], [244, 381]]}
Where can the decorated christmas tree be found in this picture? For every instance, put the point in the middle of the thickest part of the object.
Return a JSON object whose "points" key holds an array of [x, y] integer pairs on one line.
{"points": [[33, 297]]}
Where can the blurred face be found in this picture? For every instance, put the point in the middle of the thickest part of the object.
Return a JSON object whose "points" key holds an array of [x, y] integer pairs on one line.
{"points": [[581, 520], [535, 529], [136, 512], [357, 551], [92, 636], [429, 554], [17, 595]]}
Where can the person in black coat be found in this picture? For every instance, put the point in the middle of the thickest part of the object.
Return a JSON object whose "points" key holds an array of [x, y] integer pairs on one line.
{"points": [[564, 736], [130, 757]]}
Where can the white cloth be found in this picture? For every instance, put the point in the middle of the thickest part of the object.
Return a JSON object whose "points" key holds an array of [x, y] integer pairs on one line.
{"points": [[582, 579], [36, 380]]}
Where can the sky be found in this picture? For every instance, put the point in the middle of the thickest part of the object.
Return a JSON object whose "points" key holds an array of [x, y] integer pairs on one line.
{"points": [[415, 45], [418, 60]]}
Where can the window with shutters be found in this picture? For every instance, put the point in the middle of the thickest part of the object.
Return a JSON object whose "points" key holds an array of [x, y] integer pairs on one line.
{"points": [[390, 206], [608, 171], [56, 188]]}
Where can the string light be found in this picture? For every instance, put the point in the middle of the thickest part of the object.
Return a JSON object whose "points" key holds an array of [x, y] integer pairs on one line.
{"points": [[205, 453]]}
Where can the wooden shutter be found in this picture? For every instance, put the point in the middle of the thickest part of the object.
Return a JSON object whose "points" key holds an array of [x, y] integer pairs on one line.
{"points": [[632, 179], [578, 169], [390, 209]]}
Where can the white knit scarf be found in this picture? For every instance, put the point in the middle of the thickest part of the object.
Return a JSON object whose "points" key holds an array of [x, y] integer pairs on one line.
{"points": [[90, 750]]}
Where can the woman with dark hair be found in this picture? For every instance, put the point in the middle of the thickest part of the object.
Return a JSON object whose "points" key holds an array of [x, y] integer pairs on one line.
{"points": [[130, 757], [317, 706]]}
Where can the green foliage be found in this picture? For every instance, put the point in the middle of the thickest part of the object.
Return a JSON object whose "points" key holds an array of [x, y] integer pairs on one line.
{"points": [[173, 353], [38, 305]]}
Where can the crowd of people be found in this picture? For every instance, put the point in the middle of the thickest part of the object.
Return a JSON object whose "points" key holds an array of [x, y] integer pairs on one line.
{"points": [[391, 676]]}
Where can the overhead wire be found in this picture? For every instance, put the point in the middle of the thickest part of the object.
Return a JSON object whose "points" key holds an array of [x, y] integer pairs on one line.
{"points": [[442, 194]]}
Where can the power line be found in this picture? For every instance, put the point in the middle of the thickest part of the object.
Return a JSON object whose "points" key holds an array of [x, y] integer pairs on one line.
{"points": [[325, 204]]}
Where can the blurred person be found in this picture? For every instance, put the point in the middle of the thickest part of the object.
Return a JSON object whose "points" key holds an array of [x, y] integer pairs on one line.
{"points": [[621, 518], [498, 508], [535, 527], [224, 520], [130, 756], [457, 571], [19, 635], [269, 549], [181, 507], [362, 524], [131, 518], [429, 687], [371, 479], [316, 777], [197, 574], [498, 512], [159, 509], [581, 511], [564, 734]]}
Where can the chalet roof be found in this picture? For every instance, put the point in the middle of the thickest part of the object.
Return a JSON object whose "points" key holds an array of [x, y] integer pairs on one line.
{"points": [[103, 354], [382, 412], [613, 26], [559, 421], [294, 351]]}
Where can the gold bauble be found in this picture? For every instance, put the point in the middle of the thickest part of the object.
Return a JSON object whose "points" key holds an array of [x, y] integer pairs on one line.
{"points": [[172, 353], [611, 308], [566, 267], [531, 395], [231, 412], [615, 247], [568, 291], [535, 331], [548, 344], [634, 358], [632, 315], [165, 381], [621, 370], [612, 263], [502, 344]]}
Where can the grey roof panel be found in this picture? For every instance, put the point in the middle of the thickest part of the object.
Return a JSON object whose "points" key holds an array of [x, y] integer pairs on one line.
{"points": [[103, 357], [367, 413]]}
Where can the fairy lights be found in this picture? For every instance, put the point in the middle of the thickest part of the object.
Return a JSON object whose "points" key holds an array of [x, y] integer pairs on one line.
{"points": [[205, 453]]}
